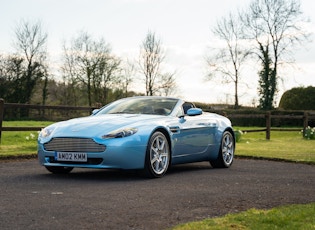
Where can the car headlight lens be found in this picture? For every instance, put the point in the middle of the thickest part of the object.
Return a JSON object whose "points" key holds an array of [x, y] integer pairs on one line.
{"points": [[46, 132], [120, 133]]}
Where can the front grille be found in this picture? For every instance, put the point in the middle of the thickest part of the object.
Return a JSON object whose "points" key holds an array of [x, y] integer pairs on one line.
{"points": [[63, 144]]}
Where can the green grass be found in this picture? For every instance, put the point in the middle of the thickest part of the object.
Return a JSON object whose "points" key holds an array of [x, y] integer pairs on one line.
{"points": [[26, 123], [288, 145], [284, 217], [17, 143]]}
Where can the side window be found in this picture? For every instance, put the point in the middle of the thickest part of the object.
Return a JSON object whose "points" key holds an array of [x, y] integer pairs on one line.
{"points": [[187, 105]]}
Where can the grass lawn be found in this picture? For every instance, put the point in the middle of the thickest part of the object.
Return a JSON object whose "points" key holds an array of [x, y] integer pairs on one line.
{"points": [[285, 217], [282, 145], [17, 143]]}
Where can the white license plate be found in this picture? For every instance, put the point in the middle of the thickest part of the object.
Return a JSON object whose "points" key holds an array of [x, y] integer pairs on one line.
{"points": [[69, 156]]}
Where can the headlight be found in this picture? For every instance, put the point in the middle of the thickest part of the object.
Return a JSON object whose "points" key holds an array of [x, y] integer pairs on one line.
{"points": [[120, 133], [46, 132]]}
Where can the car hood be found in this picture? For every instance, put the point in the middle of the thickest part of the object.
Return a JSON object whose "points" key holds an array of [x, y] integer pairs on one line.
{"points": [[96, 126]]}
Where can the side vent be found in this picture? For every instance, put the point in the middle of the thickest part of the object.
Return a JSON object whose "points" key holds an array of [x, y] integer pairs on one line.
{"points": [[174, 129]]}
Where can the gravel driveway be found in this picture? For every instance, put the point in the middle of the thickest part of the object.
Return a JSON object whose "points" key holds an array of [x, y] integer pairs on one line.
{"points": [[32, 198]]}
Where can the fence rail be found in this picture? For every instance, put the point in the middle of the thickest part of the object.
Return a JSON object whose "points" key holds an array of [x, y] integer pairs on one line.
{"points": [[42, 107], [267, 116], [16, 106]]}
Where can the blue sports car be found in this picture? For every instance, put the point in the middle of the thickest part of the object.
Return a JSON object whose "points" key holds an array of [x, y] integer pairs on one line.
{"points": [[146, 133]]}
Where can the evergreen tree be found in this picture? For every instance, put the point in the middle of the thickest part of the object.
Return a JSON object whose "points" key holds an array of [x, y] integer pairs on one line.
{"points": [[267, 80]]}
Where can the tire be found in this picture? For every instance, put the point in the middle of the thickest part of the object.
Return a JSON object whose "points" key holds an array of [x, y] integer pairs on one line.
{"points": [[158, 156], [226, 152], [59, 170]]}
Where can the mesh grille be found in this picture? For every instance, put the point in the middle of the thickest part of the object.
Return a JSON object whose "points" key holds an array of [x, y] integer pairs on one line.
{"points": [[74, 145]]}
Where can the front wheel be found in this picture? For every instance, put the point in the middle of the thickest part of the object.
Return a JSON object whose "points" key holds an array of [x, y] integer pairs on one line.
{"points": [[157, 156], [58, 169], [226, 152]]}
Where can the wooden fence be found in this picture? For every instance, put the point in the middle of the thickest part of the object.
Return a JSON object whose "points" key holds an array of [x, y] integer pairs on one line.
{"points": [[15, 106], [267, 116]]}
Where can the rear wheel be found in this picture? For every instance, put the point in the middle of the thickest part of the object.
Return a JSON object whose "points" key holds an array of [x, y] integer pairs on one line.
{"points": [[58, 169], [226, 152], [157, 156]]}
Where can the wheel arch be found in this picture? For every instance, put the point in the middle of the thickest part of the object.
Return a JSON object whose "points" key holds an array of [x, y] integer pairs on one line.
{"points": [[229, 129], [221, 161], [168, 137], [148, 171]]}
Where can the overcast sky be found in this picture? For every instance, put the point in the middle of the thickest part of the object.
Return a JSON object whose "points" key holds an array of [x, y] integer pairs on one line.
{"points": [[184, 26]]}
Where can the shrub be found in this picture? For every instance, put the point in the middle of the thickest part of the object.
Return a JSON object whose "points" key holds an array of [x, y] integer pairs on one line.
{"points": [[298, 98], [309, 133]]}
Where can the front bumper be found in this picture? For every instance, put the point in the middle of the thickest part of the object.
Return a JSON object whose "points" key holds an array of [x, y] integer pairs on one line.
{"points": [[122, 156]]}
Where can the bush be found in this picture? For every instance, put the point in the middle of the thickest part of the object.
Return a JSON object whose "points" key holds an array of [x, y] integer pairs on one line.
{"points": [[298, 98], [309, 133]]}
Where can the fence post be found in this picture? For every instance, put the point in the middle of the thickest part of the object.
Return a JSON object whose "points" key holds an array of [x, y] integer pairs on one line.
{"points": [[268, 125], [305, 122], [1, 115]]}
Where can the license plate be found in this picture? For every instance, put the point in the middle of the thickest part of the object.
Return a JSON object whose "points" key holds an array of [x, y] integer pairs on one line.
{"points": [[69, 156]]}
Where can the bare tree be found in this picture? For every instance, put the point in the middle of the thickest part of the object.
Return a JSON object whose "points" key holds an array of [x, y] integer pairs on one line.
{"points": [[30, 44], [151, 57], [276, 26], [227, 61], [90, 63], [69, 76], [168, 84], [106, 77], [127, 76]]}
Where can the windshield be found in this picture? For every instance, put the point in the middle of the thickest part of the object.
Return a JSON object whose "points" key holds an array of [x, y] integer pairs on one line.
{"points": [[141, 105]]}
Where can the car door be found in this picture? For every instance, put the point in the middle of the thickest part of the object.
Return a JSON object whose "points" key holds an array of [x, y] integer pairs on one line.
{"points": [[193, 136]]}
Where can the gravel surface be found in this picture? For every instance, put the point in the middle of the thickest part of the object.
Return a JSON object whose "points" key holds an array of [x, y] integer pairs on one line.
{"points": [[32, 198]]}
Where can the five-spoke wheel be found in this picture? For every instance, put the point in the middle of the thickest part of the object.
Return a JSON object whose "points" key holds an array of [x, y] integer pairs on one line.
{"points": [[226, 153], [157, 156]]}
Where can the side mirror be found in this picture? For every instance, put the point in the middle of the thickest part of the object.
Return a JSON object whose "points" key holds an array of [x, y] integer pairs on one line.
{"points": [[95, 111], [194, 112]]}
